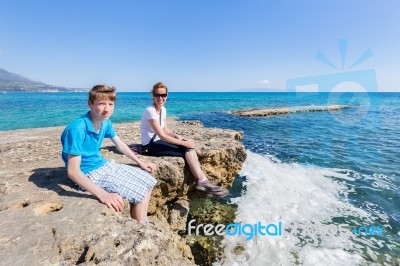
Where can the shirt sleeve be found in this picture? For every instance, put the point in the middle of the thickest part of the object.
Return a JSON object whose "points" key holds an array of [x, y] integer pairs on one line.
{"points": [[73, 141], [110, 131], [150, 113]]}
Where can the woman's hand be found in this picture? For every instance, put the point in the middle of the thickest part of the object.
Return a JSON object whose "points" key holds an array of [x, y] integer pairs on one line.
{"points": [[188, 143], [149, 167]]}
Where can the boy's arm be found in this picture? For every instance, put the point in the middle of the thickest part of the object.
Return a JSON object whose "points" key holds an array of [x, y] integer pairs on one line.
{"points": [[112, 200], [122, 147]]}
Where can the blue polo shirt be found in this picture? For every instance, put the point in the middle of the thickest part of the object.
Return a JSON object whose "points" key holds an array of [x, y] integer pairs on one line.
{"points": [[79, 138]]}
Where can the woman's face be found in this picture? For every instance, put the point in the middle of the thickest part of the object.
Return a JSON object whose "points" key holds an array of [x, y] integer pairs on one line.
{"points": [[160, 96]]}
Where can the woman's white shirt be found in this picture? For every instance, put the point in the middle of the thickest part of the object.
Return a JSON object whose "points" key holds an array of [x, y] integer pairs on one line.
{"points": [[146, 131]]}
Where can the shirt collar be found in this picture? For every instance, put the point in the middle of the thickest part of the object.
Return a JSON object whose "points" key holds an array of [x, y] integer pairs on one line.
{"points": [[89, 124]]}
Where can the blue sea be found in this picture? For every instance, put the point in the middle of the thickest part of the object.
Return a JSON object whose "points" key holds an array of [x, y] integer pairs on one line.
{"points": [[322, 174]]}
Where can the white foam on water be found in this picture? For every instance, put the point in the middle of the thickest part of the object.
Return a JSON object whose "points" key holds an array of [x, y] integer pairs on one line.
{"points": [[304, 199]]}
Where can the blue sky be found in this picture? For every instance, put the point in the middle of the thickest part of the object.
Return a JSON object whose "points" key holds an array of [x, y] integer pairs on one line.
{"points": [[195, 45]]}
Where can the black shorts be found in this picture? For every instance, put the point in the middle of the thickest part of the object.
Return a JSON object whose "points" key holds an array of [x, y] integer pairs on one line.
{"points": [[161, 148]]}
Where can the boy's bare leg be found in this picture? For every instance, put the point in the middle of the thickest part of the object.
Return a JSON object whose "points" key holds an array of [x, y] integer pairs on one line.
{"points": [[139, 210], [147, 199]]}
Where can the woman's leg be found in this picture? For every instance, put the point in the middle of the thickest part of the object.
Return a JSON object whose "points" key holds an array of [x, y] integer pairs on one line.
{"points": [[194, 164], [202, 182], [139, 210], [162, 148]]}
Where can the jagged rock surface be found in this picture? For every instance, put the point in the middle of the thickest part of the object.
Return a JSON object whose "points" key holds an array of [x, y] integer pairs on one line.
{"points": [[45, 220], [287, 110]]}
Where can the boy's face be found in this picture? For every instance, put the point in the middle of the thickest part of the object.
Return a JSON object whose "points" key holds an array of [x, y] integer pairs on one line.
{"points": [[101, 108]]}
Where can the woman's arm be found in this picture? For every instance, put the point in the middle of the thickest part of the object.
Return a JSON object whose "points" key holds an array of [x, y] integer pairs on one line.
{"points": [[122, 147], [112, 200], [169, 132], [163, 135]]}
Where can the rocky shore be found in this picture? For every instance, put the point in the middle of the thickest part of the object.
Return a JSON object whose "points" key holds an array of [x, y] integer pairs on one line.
{"points": [[287, 110], [45, 220]]}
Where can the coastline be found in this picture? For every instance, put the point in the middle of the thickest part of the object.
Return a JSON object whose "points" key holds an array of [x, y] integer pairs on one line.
{"points": [[44, 215]]}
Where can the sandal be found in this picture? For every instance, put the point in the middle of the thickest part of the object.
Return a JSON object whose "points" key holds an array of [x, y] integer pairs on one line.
{"points": [[223, 193], [207, 186]]}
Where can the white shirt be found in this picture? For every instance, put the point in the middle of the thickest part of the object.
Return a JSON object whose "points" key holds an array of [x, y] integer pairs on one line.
{"points": [[146, 131]]}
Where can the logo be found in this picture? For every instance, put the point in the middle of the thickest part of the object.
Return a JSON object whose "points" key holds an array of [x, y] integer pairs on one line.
{"points": [[357, 82], [368, 231], [247, 230], [345, 86]]}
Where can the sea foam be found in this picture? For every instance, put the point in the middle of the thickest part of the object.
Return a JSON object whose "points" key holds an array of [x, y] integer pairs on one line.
{"points": [[311, 203]]}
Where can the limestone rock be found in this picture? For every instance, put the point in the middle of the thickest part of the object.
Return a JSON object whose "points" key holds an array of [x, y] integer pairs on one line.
{"points": [[286, 110], [45, 220], [220, 153]]}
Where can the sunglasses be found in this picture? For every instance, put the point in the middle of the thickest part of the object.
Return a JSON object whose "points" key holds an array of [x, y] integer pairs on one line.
{"points": [[156, 95]]}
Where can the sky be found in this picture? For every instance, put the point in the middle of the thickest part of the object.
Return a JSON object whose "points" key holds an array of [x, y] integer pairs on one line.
{"points": [[207, 45]]}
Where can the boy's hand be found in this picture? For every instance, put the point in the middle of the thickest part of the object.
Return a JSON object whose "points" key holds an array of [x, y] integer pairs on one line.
{"points": [[149, 167], [112, 200]]}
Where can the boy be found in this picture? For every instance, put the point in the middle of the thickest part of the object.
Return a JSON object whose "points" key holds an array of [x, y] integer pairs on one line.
{"points": [[107, 180]]}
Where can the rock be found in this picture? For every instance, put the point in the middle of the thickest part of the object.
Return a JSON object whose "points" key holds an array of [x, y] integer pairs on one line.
{"points": [[220, 153], [208, 249], [178, 214], [45, 220], [287, 110]]}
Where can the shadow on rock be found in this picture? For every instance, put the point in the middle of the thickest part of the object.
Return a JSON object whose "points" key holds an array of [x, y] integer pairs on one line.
{"points": [[56, 179]]}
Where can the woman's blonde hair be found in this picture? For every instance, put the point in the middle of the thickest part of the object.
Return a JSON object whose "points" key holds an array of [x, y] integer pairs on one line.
{"points": [[103, 92], [159, 85]]}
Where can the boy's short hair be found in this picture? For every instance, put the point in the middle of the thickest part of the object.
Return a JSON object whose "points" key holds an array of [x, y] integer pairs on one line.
{"points": [[102, 91]]}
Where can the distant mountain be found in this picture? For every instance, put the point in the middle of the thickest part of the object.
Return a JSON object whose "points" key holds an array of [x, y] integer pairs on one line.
{"points": [[13, 82]]}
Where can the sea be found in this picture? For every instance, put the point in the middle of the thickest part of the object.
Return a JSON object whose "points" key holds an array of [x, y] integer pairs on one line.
{"points": [[331, 178]]}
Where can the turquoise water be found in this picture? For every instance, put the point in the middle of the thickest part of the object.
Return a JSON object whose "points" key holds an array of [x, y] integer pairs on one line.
{"points": [[357, 150]]}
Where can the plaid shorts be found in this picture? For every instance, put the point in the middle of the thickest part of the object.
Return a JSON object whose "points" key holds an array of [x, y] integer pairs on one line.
{"points": [[129, 182]]}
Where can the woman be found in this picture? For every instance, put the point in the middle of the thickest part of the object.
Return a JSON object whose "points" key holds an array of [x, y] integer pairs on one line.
{"points": [[160, 141]]}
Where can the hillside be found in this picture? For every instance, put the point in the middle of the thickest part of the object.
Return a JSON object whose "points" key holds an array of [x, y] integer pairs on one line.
{"points": [[14, 82]]}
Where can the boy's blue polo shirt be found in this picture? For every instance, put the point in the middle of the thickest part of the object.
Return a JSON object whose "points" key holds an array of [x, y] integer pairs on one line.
{"points": [[79, 138]]}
